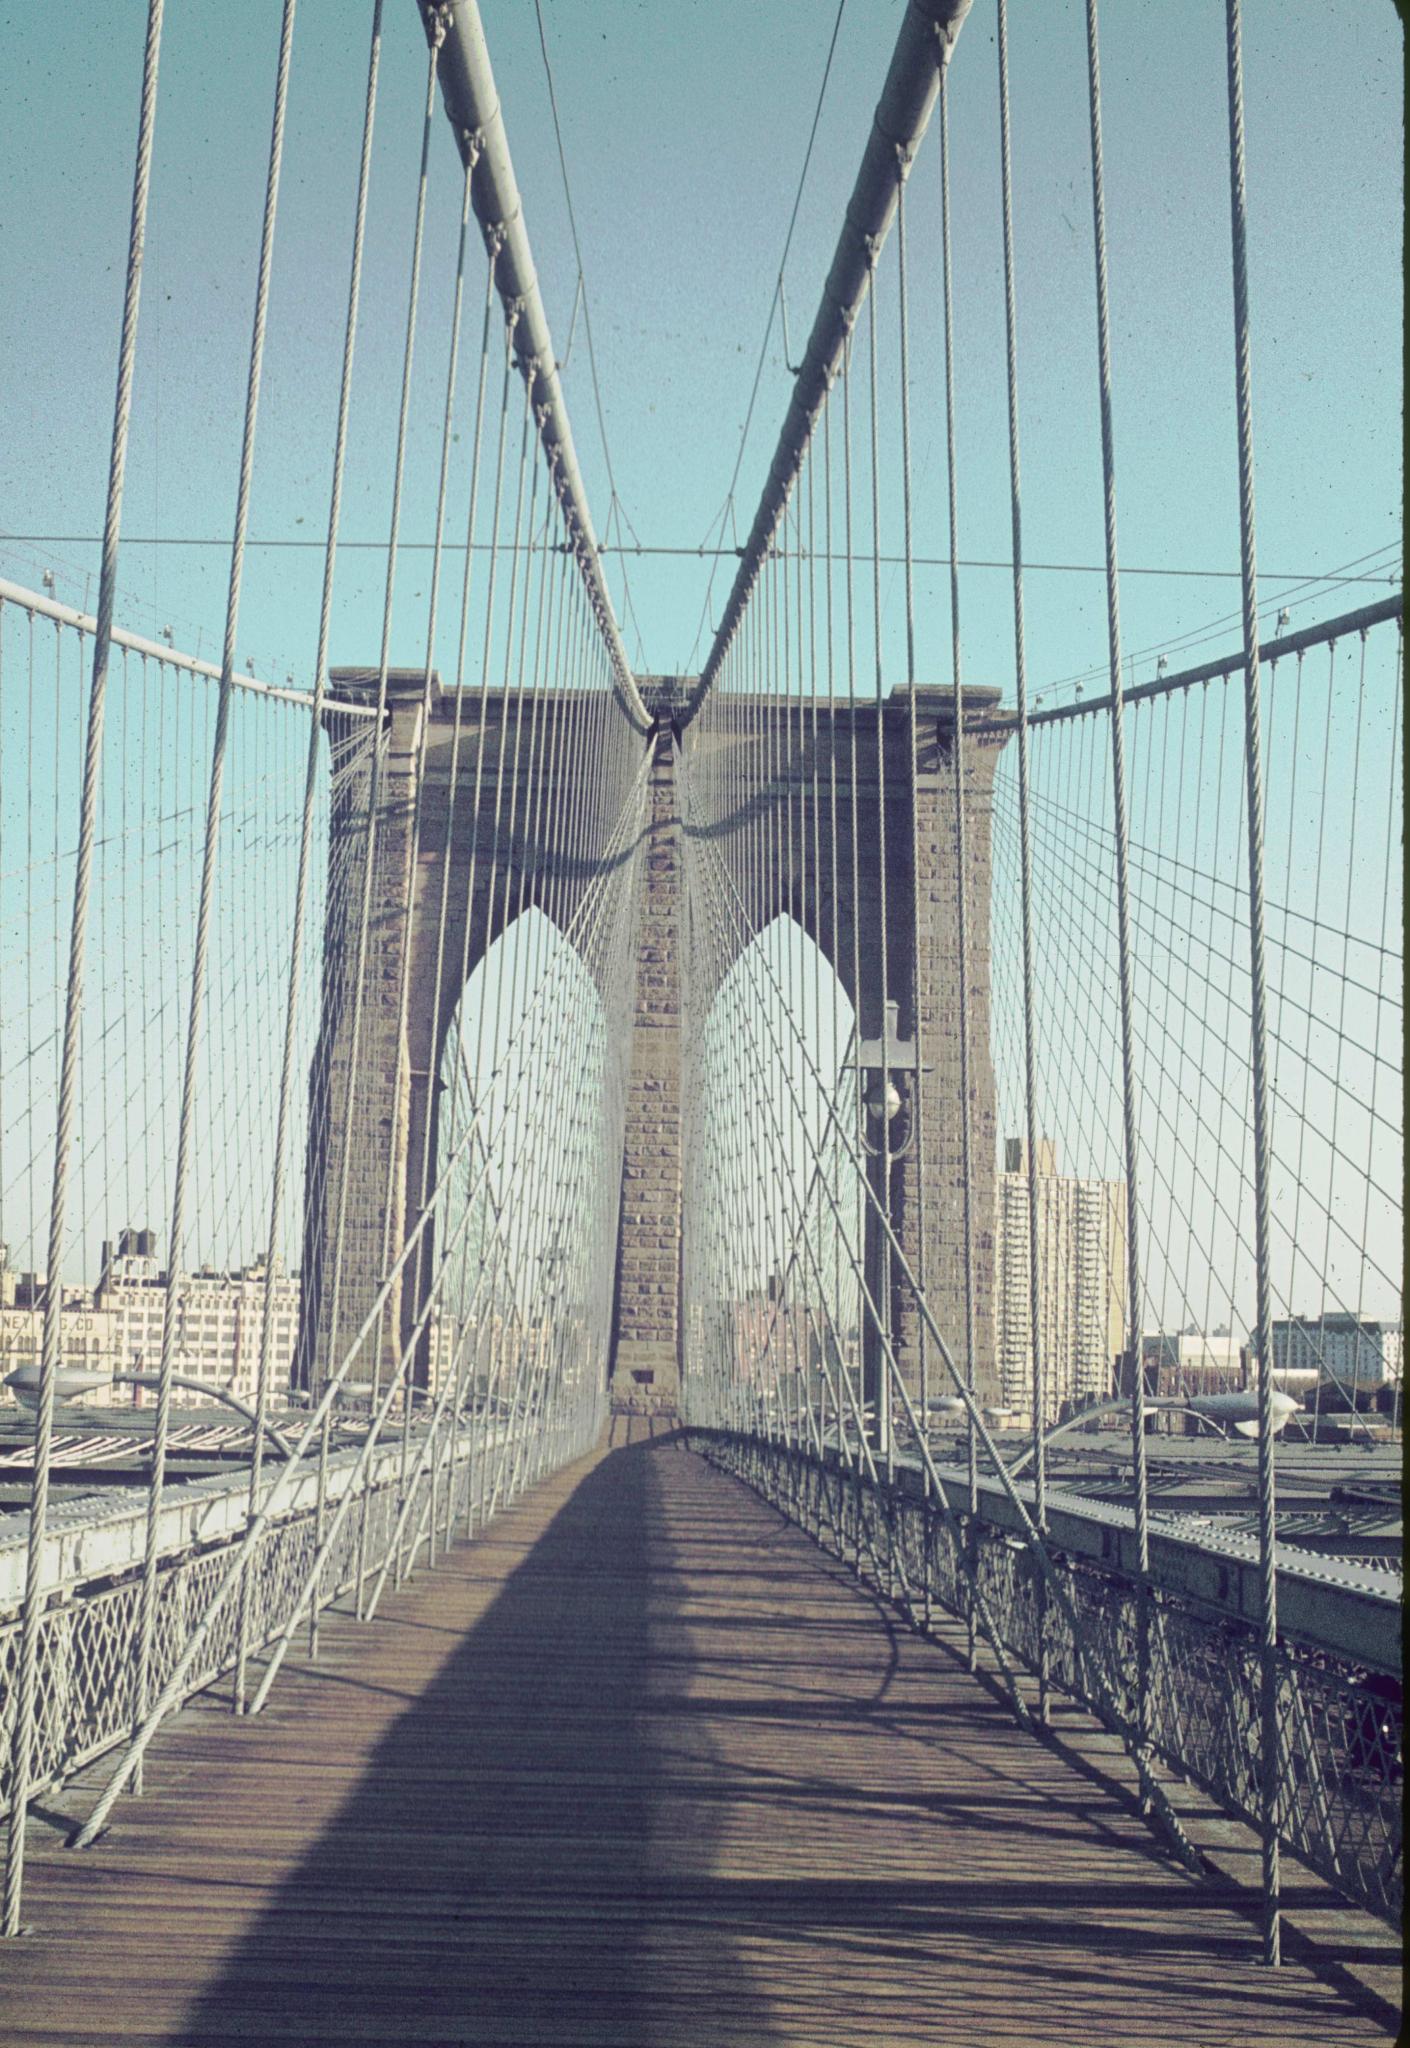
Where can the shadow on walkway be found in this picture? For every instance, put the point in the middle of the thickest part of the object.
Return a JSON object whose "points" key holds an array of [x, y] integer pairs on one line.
{"points": [[489, 1880]]}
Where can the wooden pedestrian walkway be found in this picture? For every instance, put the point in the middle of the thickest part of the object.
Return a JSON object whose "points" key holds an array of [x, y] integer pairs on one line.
{"points": [[638, 1767]]}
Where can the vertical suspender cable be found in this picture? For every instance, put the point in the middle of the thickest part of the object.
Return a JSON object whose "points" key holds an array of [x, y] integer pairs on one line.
{"points": [[1123, 905], [883, 1290], [458, 725], [418, 794], [486, 651], [176, 1245], [853, 792], [504, 1025], [437, 33], [1270, 1768], [320, 686], [452, 801], [903, 166], [501, 737], [1025, 818], [961, 835], [494, 242], [22, 1733], [835, 950]]}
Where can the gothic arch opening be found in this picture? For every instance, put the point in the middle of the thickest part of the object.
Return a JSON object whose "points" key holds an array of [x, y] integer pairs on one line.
{"points": [[528, 1134], [773, 1246]]}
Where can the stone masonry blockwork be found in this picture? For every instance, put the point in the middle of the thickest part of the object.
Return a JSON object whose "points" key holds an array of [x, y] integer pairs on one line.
{"points": [[847, 779], [646, 1345]]}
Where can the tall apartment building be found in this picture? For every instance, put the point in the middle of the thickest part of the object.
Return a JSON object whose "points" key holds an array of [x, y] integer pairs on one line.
{"points": [[1081, 1282]]}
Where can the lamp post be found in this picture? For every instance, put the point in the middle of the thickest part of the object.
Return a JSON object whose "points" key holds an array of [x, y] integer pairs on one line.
{"points": [[886, 1067]]}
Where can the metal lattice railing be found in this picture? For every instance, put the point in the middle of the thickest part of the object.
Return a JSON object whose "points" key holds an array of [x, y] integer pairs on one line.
{"points": [[1340, 1730], [86, 1689]]}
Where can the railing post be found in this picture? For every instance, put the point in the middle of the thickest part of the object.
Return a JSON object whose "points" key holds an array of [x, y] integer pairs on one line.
{"points": [[929, 1540], [1271, 1758], [320, 1510]]}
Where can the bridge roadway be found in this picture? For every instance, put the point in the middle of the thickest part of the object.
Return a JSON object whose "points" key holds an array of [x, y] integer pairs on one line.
{"points": [[638, 1767]]}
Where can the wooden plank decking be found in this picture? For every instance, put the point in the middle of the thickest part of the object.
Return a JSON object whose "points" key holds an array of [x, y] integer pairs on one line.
{"points": [[639, 1767]]}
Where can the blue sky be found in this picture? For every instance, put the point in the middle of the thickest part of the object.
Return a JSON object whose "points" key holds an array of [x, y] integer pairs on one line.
{"points": [[685, 128]]}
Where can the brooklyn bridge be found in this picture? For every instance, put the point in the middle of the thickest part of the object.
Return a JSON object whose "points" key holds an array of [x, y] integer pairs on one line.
{"points": [[705, 1352]]}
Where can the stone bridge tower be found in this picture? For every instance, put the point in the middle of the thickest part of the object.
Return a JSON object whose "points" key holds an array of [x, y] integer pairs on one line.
{"points": [[396, 1097], [903, 828]]}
